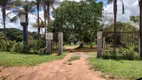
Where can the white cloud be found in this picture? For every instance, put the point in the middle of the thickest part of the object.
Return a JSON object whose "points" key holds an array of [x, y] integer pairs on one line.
{"points": [[131, 9]]}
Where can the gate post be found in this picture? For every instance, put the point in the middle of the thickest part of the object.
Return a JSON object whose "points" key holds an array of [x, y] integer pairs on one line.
{"points": [[49, 38], [104, 45], [60, 43], [99, 44]]}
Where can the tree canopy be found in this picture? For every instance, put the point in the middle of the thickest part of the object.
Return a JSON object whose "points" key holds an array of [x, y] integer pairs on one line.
{"points": [[81, 19]]}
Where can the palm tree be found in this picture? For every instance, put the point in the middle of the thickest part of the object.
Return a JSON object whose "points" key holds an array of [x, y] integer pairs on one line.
{"points": [[140, 5], [27, 7], [3, 3], [115, 19], [38, 6], [47, 5]]}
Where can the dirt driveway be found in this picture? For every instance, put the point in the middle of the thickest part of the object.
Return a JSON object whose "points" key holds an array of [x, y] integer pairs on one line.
{"points": [[55, 70]]}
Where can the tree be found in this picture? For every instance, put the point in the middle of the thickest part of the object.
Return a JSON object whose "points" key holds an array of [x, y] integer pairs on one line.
{"points": [[78, 18], [3, 3], [47, 5], [38, 22], [135, 19], [27, 6], [115, 18], [140, 6]]}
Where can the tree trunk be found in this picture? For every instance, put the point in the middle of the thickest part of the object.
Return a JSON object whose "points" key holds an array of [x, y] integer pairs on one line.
{"points": [[38, 21], [48, 14], [45, 15], [140, 5], [4, 26], [26, 16], [80, 46], [115, 19]]}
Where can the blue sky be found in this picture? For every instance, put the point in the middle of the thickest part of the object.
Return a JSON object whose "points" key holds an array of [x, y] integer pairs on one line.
{"points": [[104, 2]]}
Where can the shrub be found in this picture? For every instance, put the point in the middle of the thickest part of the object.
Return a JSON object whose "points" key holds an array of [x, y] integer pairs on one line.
{"points": [[14, 46], [35, 45], [6, 45], [128, 53], [18, 47], [42, 51], [123, 53], [108, 55]]}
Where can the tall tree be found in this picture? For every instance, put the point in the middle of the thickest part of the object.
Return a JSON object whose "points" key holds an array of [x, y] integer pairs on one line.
{"points": [[28, 8], [38, 7], [78, 18], [140, 5], [115, 18], [3, 3]]}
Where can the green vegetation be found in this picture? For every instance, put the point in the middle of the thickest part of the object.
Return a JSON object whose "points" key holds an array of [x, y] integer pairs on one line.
{"points": [[34, 46], [74, 58], [8, 59], [123, 39], [74, 23], [129, 53], [123, 69]]}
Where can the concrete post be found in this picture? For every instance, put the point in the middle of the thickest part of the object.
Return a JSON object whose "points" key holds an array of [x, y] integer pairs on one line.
{"points": [[49, 38], [60, 43], [99, 44], [104, 45], [139, 46]]}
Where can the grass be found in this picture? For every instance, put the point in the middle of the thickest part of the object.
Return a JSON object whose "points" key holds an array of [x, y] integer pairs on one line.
{"points": [[8, 59], [74, 58], [123, 69]]}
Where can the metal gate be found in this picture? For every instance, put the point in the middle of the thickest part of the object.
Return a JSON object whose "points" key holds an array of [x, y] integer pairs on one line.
{"points": [[123, 40]]}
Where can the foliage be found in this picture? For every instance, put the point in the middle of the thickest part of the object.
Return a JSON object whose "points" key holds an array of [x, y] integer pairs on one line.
{"points": [[81, 19], [34, 46], [123, 39], [108, 55], [135, 19], [18, 47], [6, 45], [8, 59], [1, 36], [16, 34], [119, 69], [128, 53]]}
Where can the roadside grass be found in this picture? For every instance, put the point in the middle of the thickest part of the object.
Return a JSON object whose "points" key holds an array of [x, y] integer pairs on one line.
{"points": [[74, 58], [118, 69], [8, 59]]}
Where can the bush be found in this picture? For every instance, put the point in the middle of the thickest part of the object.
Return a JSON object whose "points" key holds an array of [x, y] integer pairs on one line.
{"points": [[42, 51], [108, 55], [6, 45], [18, 47], [124, 53], [128, 53], [13, 46], [35, 45]]}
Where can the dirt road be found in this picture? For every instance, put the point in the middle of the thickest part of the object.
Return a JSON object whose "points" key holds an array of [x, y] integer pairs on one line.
{"points": [[55, 70]]}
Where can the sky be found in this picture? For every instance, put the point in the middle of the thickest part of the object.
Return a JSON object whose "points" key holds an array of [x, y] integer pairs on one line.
{"points": [[131, 9]]}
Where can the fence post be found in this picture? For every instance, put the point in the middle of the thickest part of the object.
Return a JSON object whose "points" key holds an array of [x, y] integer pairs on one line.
{"points": [[49, 38], [139, 46], [99, 44], [60, 43], [104, 45]]}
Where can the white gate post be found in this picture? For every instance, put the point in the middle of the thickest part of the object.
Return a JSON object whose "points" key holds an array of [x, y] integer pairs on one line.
{"points": [[49, 38], [99, 44], [60, 43]]}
